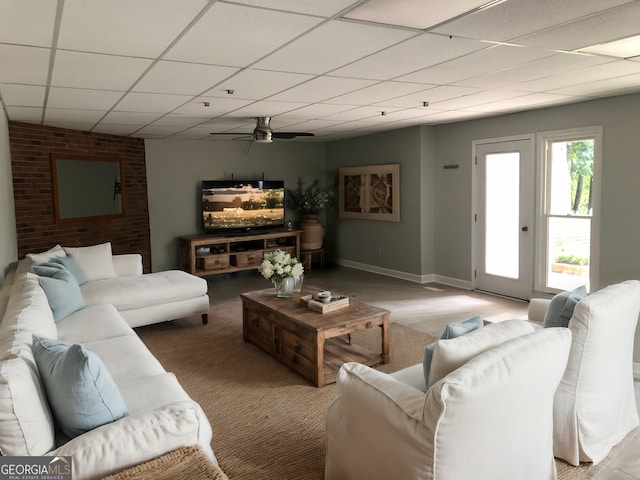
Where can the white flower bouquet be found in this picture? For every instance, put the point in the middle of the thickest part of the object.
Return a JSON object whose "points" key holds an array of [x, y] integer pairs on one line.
{"points": [[279, 264]]}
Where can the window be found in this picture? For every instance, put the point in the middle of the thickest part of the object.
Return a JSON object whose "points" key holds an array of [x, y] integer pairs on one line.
{"points": [[569, 193]]}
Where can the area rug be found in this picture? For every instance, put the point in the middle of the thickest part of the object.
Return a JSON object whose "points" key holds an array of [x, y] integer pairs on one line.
{"points": [[188, 462], [269, 422]]}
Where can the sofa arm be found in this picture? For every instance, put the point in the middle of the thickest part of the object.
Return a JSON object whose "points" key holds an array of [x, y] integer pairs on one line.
{"points": [[136, 439], [538, 309], [375, 427], [128, 264]]}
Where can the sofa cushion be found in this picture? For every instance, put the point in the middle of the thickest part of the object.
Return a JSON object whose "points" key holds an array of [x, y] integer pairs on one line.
{"points": [[62, 289], [26, 425], [452, 330], [81, 392], [562, 306], [27, 313], [95, 261], [451, 354], [44, 257], [93, 323], [138, 291], [74, 268]]}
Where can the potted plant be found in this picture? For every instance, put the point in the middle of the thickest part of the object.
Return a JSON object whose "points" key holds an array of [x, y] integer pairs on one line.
{"points": [[308, 201]]}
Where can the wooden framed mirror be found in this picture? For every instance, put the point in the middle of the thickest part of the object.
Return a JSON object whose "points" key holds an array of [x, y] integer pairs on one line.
{"points": [[86, 187]]}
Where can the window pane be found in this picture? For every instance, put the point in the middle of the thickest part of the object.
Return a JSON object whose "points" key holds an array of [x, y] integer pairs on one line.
{"points": [[569, 252], [571, 177], [502, 237]]}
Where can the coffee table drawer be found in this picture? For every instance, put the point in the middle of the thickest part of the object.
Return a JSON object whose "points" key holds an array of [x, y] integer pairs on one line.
{"points": [[298, 345], [259, 331]]}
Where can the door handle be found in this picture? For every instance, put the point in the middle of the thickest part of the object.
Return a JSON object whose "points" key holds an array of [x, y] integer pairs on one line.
{"points": [[525, 229]]}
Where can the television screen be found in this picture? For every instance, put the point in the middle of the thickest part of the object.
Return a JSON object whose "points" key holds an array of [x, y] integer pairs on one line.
{"points": [[242, 206]]}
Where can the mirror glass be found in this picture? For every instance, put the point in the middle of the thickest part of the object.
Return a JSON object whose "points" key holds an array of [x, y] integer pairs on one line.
{"points": [[85, 187]]}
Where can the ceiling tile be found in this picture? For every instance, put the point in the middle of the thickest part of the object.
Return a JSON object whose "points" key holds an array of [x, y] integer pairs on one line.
{"points": [[150, 102], [479, 98], [22, 95], [130, 118], [195, 133], [419, 14], [520, 103], [266, 108], [414, 54], [173, 120], [332, 45], [609, 25], [25, 114], [544, 67], [485, 61], [321, 88], [378, 93], [258, 84], [113, 129], [325, 8], [82, 126], [73, 115], [38, 15], [598, 72], [319, 110], [616, 86], [182, 78], [163, 130], [24, 64], [82, 99], [431, 95], [141, 28], [217, 106], [89, 70], [515, 18], [361, 113], [236, 35]]}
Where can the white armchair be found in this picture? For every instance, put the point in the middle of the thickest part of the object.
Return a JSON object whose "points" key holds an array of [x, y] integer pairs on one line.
{"points": [[489, 419], [595, 406]]}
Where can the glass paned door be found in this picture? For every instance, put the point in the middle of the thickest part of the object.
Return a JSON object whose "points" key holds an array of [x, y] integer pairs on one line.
{"points": [[504, 218]]}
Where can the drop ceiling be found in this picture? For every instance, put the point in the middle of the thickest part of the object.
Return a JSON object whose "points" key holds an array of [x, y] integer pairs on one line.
{"points": [[338, 68]]}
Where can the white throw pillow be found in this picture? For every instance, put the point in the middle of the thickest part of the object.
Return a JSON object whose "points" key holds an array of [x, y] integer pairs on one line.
{"points": [[96, 261], [44, 257], [453, 353]]}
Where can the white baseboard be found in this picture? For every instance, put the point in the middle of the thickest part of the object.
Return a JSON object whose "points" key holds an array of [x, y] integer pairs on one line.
{"points": [[411, 277], [636, 370]]}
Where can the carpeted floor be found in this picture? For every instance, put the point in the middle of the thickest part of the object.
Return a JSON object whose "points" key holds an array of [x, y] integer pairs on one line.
{"points": [[268, 422]]}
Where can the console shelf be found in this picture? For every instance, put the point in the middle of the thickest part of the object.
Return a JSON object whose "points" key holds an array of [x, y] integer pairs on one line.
{"points": [[204, 255]]}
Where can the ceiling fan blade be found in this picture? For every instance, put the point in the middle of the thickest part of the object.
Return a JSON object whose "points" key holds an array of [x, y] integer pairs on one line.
{"points": [[290, 135]]}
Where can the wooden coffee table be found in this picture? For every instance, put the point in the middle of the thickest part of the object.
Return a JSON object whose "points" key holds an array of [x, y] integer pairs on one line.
{"points": [[313, 344]]}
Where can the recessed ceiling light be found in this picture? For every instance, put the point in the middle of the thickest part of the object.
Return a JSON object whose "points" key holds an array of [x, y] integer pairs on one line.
{"points": [[625, 48]]}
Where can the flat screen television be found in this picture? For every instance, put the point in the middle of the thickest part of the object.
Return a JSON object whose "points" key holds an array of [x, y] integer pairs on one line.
{"points": [[242, 206]]}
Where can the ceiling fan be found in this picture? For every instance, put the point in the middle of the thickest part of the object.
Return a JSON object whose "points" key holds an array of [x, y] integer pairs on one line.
{"points": [[263, 133]]}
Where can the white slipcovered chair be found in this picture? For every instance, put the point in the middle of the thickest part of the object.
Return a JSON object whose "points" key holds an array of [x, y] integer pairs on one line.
{"points": [[491, 418], [595, 405]]}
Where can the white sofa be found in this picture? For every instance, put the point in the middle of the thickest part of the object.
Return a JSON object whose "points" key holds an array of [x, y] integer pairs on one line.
{"points": [[489, 419], [161, 415]]}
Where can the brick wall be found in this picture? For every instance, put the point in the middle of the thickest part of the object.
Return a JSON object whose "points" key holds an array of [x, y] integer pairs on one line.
{"points": [[31, 146]]}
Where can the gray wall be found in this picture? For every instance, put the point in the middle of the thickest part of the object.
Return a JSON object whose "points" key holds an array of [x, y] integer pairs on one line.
{"points": [[620, 208], [404, 246], [175, 169], [8, 237]]}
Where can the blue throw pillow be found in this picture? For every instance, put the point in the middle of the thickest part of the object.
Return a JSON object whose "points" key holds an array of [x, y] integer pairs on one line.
{"points": [[562, 306], [452, 330], [61, 288], [81, 393], [74, 267], [456, 329]]}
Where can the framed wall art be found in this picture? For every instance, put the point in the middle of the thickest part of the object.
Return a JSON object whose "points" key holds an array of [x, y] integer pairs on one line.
{"points": [[370, 192]]}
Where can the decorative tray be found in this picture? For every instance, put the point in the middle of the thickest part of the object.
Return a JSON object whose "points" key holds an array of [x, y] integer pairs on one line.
{"points": [[337, 302]]}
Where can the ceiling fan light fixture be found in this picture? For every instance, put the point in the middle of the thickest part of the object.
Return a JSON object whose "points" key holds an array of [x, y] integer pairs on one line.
{"points": [[262, 137]]}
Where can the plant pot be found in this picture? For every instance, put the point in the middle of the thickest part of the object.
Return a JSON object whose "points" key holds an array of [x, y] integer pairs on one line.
{"points": [[312, 234]]}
